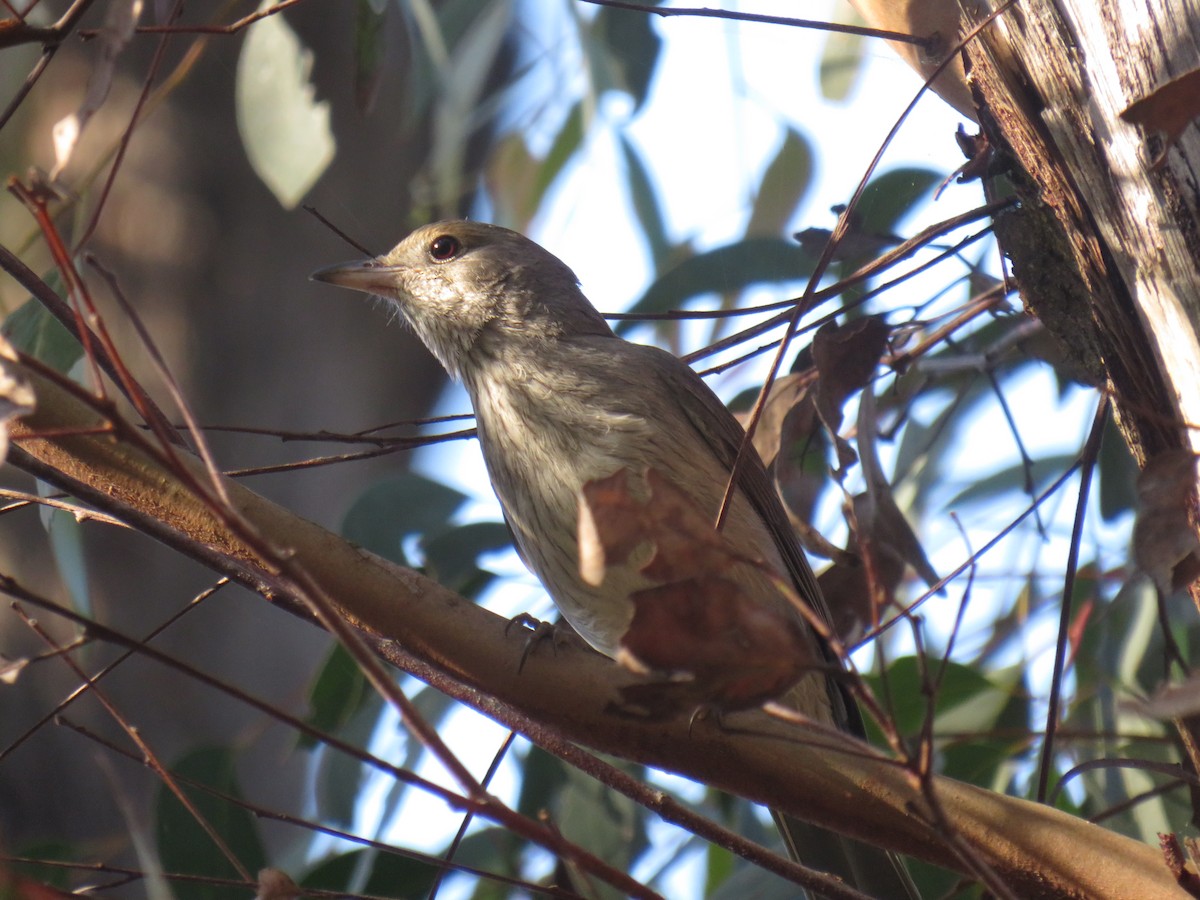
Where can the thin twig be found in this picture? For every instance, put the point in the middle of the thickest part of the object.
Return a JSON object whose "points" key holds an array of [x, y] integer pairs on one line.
{"points": [[736, 16], [1087, 462]]}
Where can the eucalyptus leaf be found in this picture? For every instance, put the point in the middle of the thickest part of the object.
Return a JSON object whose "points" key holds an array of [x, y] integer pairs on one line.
{"points": [[392, 510], [31, 328], [284, 129], [891, 196], [338, 692], [731, 268], [646, 203], [601, 821], [784, 184], [183, 845], [452, 556], [1012, 479], [369, 52], [458, 112], [630, 47], [1117, 474], [386, 873], [841, 67]]}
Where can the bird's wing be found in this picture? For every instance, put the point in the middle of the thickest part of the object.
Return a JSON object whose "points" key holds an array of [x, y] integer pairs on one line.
{"points": [[724, 435], [717, 426]]}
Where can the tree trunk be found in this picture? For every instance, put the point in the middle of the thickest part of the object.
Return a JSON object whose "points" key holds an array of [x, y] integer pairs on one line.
{"points": [[1105, 245]]}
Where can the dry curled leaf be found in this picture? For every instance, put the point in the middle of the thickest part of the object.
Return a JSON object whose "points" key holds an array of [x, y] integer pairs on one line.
{"points": [[1170, 701], [614, 522], [1165, 545], [789, 395], [845, 357], [120, 22], [1168, 109], [790, 442], [698, 632], [274, 884], [862, 584], [731, 650]]}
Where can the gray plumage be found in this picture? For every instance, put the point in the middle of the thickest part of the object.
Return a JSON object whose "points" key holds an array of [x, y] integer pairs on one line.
{"points": [[560, 400]]}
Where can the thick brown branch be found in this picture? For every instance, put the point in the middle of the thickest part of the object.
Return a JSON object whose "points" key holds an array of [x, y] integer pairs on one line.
{"points": [[828, 779]]}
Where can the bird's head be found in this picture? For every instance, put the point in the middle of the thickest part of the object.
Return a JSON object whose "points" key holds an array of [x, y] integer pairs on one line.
{"points": [[472, 290]]}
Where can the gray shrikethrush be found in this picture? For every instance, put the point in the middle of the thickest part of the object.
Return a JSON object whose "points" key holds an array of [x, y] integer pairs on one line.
{"points": [[561, 401]]}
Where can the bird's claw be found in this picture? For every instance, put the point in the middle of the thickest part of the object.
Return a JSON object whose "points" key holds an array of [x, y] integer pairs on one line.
{"points": [[539, 631]]}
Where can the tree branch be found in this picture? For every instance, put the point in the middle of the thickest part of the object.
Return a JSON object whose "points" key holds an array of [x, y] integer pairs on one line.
{"points": [[828, 779]]}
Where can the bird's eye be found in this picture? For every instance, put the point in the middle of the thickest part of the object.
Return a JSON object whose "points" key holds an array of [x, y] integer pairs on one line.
{"points": [[445, 247]]}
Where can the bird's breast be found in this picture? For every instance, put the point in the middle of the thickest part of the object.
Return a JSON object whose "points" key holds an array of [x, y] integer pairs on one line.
{"points": [[540, 449]]}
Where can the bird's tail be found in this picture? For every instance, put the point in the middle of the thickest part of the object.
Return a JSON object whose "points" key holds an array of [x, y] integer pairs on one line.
{"points": [[876, 872]]}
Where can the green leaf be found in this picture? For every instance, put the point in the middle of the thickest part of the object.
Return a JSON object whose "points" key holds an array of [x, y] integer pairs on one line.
{"points": [[543, 776], [566, 145], [909, 701], [727, 269], [369, 51], [493, 849], [284, 130], [338, 692], [183, 846], [346, 778], [340, 777], [50, 851], [841, 65], [1117, 474], [517, 182], [753, 881], [629, 47], [66, 544], [600, 820], [891, 196], [783, 186], [459, 112], [32, 329], [388, 873], [645, 203], [1012, 479], [451, 557], [394, 509]]}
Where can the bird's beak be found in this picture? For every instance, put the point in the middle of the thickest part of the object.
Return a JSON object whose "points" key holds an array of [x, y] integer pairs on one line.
{"points": [[367, 275]]}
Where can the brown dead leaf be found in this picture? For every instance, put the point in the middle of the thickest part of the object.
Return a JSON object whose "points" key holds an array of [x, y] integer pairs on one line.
{"points": [[789, 396], [845, 357], [120, 23], [880, 536], [275, 884], [613, 523], [697, 631], [1168, 109], [791, 444], [1170, 701], [847, 593], [1165, 545], [731, 650]]}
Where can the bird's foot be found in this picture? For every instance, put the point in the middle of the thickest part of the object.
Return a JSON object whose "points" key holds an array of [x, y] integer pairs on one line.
{"points": [[706, 711], [558, 633]]}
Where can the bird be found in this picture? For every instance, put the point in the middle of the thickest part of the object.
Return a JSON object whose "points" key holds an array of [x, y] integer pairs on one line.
{"points": [[561, 401]]}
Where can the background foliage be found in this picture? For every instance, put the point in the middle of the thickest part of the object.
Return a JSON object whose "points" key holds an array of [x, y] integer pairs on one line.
{"points": [[916, 418]]}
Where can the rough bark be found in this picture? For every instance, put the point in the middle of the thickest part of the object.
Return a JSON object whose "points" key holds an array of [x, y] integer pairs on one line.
{"points": [[1105, 247]]}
